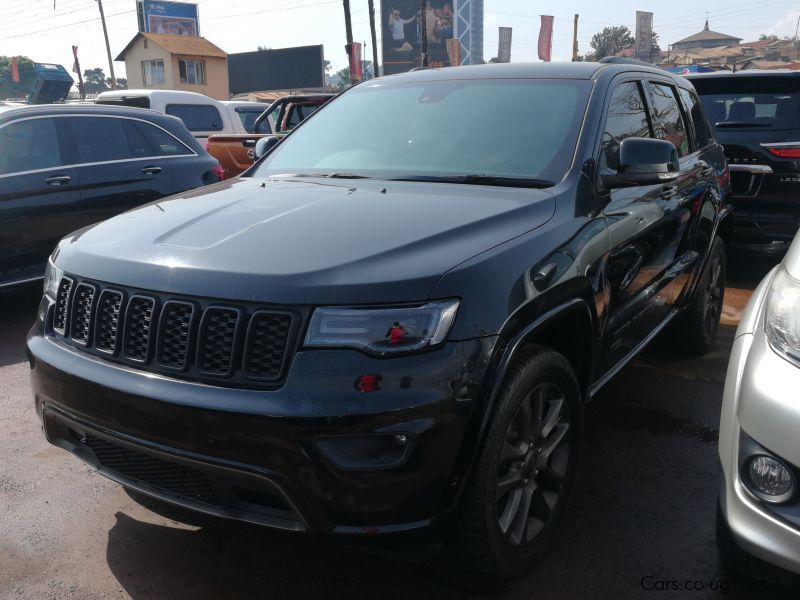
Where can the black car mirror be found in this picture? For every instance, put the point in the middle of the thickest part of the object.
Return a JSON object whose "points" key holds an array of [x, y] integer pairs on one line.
{"points": [[644, 161], [264, 145]]}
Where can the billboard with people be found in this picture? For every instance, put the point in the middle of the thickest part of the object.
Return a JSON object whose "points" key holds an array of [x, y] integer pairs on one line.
{"points": [[402, 26], [171, 18]]}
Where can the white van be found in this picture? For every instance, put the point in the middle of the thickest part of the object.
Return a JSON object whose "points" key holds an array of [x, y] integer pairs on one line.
{"points": [[203, 116]]}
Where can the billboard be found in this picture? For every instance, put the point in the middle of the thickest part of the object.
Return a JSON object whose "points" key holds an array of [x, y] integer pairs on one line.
{"points": [[401, 25], [644, 35], [300, 68], [172, 18], [504, 45]]}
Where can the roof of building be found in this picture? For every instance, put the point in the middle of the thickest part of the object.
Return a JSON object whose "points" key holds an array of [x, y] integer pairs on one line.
{"points": [[178, 44], [707, 35]]}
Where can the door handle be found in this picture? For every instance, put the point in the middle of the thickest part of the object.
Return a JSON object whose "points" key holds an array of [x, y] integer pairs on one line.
{"points": [[249, 143], [668, 192], [58, 180], [151, 170]]}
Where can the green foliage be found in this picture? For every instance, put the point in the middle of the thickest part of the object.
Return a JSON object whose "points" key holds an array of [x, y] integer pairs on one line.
{"points": [[27, 78], [611, 40], [94, 81]]}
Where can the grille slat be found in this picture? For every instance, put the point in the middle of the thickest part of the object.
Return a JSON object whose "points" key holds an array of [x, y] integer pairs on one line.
{"points": [[82, 306], [194, 339], [267, 335], [138, 325], [106, 331], [217, 339], [174, 332], [61, 314]]}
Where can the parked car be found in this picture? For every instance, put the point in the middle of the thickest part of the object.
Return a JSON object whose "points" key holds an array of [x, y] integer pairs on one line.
{"points": [[236, 152], [203, 116], [756, 118], [394, 320], [758, 515], [63, 167]]}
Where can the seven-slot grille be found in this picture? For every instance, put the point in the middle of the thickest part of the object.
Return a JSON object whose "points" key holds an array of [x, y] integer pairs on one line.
{"points": [[193, 338]]}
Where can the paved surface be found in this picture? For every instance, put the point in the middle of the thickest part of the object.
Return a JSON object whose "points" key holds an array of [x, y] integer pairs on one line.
{"points": [[642, 513]]}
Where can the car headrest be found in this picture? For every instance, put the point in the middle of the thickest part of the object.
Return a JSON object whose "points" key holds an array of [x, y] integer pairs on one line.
{"points": [[742, 111]]}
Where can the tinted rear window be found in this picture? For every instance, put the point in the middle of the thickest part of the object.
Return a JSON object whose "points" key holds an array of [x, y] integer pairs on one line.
{"points": [[750, 102], [197, 117], [248, 117]]}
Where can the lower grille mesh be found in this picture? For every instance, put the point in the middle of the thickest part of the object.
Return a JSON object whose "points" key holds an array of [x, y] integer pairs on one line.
{"points": [[172, 478]]}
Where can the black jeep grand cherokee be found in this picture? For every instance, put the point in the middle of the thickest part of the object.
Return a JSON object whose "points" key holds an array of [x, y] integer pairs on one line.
{"points": [[395, 318]]}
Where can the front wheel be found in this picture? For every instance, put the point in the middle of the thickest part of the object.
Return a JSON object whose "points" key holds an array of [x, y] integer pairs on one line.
{"points": [[696, 330], [520, 484]]}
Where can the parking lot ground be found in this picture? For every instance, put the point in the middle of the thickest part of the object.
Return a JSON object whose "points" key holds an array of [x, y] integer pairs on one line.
{"points": [[640, 524]]}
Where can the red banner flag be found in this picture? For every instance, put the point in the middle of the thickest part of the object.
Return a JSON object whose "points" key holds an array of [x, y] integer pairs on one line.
{"points": [[356, 71], [545, 38], [14, 70]]}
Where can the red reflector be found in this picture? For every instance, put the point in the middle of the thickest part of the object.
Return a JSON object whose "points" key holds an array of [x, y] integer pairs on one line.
{"points": [[785, 151], [368, 383]]}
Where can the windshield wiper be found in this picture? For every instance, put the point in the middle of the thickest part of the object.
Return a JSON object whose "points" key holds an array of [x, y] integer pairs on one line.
{"points": [[478, 179], [343, 176], [724, 124]]}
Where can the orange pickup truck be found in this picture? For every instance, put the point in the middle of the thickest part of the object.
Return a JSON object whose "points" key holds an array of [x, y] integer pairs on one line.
{"points": [[236, 152]]}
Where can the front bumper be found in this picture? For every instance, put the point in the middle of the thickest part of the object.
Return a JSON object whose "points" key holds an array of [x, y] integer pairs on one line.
{"points": [[760, 403], [315, 455]]}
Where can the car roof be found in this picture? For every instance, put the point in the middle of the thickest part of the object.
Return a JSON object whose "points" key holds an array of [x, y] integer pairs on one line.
{"points": [[152, 93], [745, 73], [552, 70], [34, 109]]}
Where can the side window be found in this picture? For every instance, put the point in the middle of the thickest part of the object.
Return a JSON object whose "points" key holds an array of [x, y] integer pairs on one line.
{"points": [[99, 139], [627, 117], [29, 145], [197, 117], [148, 140], [248, 118], [699, 123], [667, 118]]}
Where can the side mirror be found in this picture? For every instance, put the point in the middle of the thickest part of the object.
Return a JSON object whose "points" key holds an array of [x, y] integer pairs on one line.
{"points": [[644, 161], [264, 145]]}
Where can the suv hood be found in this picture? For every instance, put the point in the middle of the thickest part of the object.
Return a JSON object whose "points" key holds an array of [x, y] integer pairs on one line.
{"points": [[304, 241]]}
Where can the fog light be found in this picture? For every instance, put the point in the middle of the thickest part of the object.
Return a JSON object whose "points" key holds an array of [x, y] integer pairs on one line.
{"points": [[772, 479]]}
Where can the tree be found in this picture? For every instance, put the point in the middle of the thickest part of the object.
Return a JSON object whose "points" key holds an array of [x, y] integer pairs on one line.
{"points": [[27, 78], [95, 81], [611, 40], [494, 60], [122, 83]]}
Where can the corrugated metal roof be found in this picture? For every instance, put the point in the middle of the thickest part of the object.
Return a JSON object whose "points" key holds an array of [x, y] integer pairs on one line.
{"points": [[178, 44], [706, 35]]}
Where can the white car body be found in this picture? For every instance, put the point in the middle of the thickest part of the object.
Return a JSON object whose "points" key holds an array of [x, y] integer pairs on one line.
{"points": [[173, 102]]}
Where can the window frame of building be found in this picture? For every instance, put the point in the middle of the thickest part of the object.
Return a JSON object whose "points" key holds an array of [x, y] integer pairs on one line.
{"points": [[147, 66], [198, 68]]}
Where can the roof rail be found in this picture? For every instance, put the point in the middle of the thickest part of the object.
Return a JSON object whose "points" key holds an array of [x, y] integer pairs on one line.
{"points": [[621, 60]]}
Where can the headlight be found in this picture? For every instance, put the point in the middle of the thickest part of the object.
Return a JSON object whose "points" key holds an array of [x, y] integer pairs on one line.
{"points": [[382, 330], [52, 277]]}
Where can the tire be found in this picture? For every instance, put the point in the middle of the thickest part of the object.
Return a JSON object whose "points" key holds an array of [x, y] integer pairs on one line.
{"points": [[492, 538], [737, 560], [696, 330]]}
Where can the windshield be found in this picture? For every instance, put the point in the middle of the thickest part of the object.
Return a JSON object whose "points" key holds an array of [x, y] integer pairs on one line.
{"points": [[750, 102], [522, 128]]}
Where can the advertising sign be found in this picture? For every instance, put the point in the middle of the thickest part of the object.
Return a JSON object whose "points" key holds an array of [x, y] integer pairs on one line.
{"points": [[644, 35], [504, 45], [356, 65], [299, 68], [171, 18], [402, 34], [545, 38]]}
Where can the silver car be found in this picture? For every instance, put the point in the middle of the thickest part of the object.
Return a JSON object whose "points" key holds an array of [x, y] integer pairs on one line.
{"points": [[758, 521]]}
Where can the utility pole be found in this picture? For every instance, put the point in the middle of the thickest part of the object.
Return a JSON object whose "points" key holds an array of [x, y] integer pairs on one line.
{"points": [[423, 25], [108, 46], [575, 40], [375, 70], [796, 50], [349, 31]]}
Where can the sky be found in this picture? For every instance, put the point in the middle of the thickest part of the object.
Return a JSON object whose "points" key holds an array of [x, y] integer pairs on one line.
{"points": [[35, 29]]}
